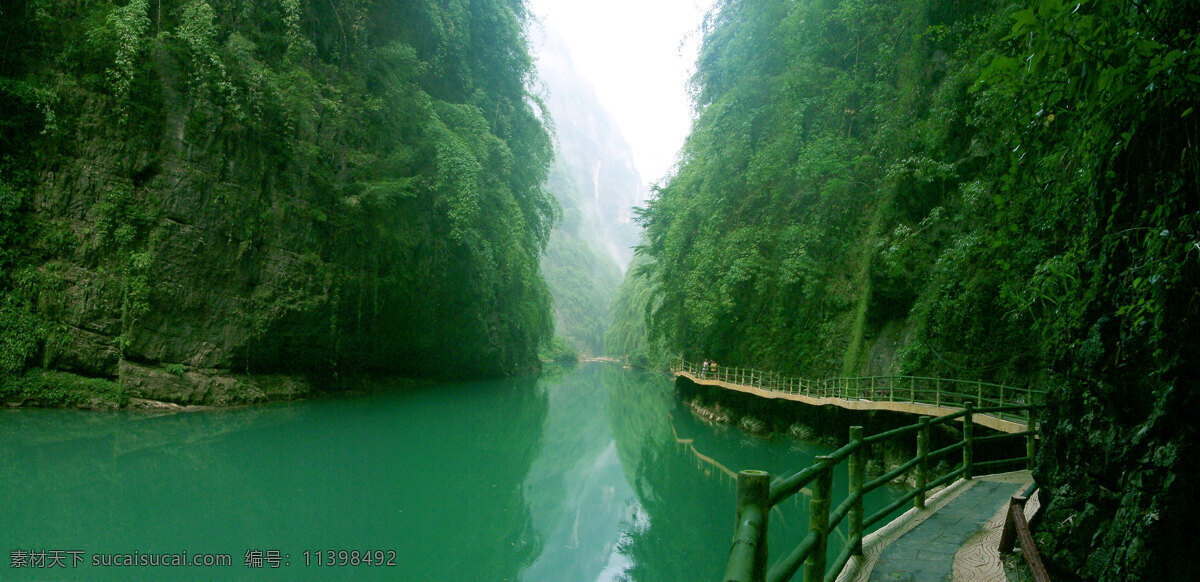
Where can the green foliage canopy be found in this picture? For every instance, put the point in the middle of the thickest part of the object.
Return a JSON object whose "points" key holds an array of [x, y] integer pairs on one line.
{"points": [[393, 144]]}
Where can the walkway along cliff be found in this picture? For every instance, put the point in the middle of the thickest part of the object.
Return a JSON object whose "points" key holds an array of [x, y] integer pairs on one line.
{"points": [[1012, 412], [908, 394]]}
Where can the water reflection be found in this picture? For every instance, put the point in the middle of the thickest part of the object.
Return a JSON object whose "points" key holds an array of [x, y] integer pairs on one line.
{"points": [[628, 485], [436, 475], [593, 473], [579, 498]]}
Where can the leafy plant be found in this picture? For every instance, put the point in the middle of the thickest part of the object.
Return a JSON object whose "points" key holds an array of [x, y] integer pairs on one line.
{"points": [[59, 389], [124, 35]]}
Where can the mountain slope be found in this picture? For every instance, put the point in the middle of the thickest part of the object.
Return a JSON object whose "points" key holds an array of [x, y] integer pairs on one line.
{"points": [[306, 188], [594, 179]]}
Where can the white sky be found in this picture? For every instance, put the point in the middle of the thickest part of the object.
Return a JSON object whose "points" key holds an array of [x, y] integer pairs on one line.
{"points": [[638, 54]]}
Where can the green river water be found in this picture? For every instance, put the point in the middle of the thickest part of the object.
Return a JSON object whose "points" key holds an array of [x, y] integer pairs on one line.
{"points": [[591, 473]]}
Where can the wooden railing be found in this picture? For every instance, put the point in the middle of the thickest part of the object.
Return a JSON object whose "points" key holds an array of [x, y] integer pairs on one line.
{"points": [[940, 392], [757, 494], [1015, 527]]}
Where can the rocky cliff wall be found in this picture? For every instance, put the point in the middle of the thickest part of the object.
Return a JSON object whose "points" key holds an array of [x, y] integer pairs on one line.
{"points": [[206, 192]]}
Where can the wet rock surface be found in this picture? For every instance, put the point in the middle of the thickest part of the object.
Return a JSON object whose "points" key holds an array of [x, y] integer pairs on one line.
{"points": [[209, 387]]}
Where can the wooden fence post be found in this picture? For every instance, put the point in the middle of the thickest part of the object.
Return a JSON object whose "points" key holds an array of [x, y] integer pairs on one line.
{"points": [[923, 463], [858, 458], [968, 441], [1008, 536], [818, 521], [1016, 528], [753, 494]]}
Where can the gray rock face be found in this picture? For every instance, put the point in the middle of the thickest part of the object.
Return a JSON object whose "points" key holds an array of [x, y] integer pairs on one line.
{"points": [[209, 387], [153, 259], [86, 352], [207, 296], [1119, 469]]}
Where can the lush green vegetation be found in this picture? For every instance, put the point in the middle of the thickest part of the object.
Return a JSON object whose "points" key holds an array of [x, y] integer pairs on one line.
{"points": [[303, 185], [860, 165], [972, 189], [560, 350], [824, 133], [59, 389], [583, 281], [627, 336]]}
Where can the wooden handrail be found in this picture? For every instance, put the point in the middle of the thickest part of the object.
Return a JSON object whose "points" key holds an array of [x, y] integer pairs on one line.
{"points": [[942, 393], [842, 384], [1015, 527], [757, 495]]}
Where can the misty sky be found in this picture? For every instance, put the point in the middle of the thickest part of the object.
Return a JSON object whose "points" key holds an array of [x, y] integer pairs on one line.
{"points": [[638, 54]]}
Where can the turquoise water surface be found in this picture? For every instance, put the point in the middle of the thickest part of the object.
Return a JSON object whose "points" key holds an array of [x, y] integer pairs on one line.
{"points": [[591, 473]]}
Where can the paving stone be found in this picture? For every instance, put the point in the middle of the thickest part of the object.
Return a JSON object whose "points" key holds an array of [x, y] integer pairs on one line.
{"points": [[926, 554]]}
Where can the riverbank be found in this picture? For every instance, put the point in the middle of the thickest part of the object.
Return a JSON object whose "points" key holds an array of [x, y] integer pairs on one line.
{"points": [[150, 387], [173, 388]]}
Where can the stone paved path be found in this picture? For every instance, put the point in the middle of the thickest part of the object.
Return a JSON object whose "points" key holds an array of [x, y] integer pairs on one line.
{"points": [[926, 554]]}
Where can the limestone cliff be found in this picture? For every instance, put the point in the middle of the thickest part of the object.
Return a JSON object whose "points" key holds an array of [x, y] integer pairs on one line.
{"points": [[199, 191]]}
